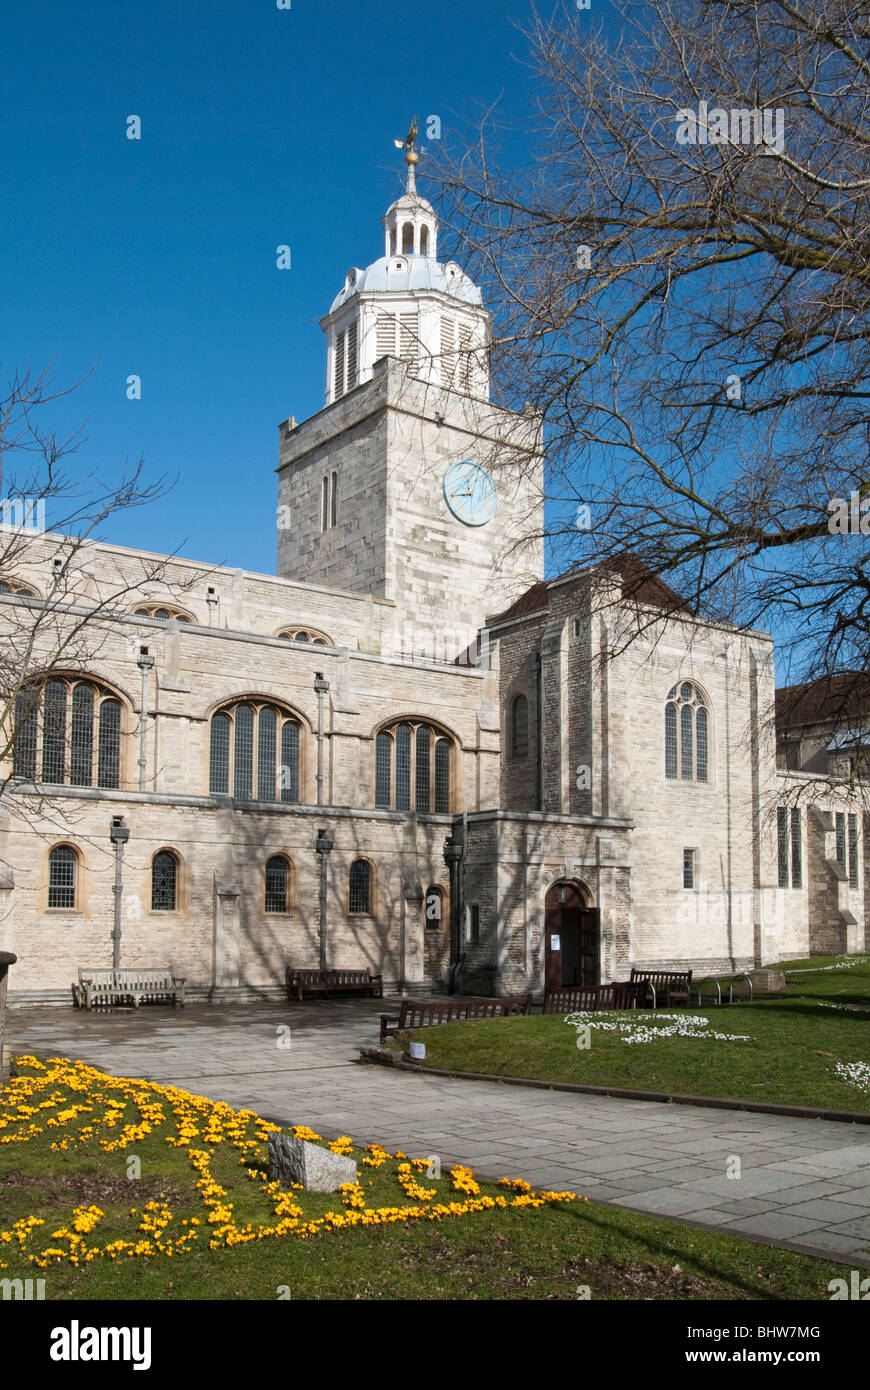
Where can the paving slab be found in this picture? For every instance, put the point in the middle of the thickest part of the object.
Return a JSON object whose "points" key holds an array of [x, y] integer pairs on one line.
{"points": [[645, 1155]]}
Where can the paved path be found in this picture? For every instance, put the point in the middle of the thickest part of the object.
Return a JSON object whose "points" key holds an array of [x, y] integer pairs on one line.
{"points": [[804, 1183]]}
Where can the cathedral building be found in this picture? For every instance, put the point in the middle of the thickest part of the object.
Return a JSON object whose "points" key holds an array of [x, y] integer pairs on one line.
{"points": [[408, 749]]}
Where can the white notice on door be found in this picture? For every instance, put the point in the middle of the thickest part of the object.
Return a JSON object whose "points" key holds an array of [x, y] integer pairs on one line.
{"points": [[554, 944]]}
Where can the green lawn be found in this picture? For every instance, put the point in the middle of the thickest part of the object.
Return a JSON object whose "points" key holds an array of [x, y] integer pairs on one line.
{"points": [[70, 1137], [795, 1041]]}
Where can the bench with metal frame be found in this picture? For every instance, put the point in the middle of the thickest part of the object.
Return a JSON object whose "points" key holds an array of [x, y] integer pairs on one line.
{"points": [[675, 985]]}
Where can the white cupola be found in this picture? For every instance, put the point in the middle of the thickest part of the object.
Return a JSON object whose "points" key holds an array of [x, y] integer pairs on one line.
{"points": [[408, 305]]}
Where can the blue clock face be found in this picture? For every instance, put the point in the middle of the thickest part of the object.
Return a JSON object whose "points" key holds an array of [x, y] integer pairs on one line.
{"points": [[470, 493]]}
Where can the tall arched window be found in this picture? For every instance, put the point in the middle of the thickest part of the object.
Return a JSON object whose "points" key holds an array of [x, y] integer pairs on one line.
{"points": [[164, 881], [277, 875], [333, 502], [424, 241], [520, 727], [250, 736], [359, 887], [408, 239], [66, 732], [324, 505], [62, 876], [407, 775], [686, 705]]}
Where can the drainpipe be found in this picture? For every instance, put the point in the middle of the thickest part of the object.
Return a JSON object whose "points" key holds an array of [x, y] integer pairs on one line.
{"points": [[452, 855], [539, 745], [145, 662], [321, 687]]}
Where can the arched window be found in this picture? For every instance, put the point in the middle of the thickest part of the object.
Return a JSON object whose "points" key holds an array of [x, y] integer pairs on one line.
{"points": [[62, 875], [520, 727], [424, 241], [66, 732], [324, 504], [161, 611], [333, 502], [164, 881], [408, 239], [687, 705], [250, 736], [360, 886], [407, 775], [277, 875]]}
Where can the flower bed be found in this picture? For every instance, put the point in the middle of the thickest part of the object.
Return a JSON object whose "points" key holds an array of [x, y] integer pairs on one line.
{"points": [[640, 1027], [88, 1112]]}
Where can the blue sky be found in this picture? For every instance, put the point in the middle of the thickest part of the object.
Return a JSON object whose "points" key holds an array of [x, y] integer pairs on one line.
{"points": [[157, 256]]}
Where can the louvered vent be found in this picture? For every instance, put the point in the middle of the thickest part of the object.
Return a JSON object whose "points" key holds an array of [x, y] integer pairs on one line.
{"points": [[385, 334], [408, 344], [351, 357], [448, 362], [466, 358], [339, 366]]}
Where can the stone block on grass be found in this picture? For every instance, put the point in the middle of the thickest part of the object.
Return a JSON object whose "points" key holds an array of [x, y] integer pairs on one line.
{"points": [[318, 1170]]}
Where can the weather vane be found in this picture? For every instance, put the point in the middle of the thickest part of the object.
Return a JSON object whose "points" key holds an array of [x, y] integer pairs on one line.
{"points": [[412, 153]]}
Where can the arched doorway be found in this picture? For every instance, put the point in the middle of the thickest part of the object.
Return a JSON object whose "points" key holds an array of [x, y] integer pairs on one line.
{"points": [[571, 934]]}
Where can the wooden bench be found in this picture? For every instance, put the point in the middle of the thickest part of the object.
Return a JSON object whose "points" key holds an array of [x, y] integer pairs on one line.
{"points": [[619, 994], [328, 982], [109, 988], [416, 1013], [675, 985]]}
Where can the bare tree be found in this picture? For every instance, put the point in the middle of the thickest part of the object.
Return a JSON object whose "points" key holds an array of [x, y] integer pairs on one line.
{"points": [[50, 523], [680, 284]]}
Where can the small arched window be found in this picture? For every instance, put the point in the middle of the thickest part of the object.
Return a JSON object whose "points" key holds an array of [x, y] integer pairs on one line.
{"points": [[424, 241], [62, 876], [407, 239], [520, 727], [164, 881], [277, 875], [360, 886], [686, 751]]}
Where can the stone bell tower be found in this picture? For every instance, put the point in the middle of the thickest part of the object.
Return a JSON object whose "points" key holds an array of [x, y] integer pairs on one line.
{"points": [[409, 484]]}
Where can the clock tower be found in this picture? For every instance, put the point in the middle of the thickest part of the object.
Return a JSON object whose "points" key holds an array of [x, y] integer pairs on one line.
{"points": [[409, 484]]}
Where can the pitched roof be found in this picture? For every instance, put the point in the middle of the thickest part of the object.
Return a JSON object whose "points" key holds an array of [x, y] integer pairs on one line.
{"points": [[845, 695], [638, 583]]}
